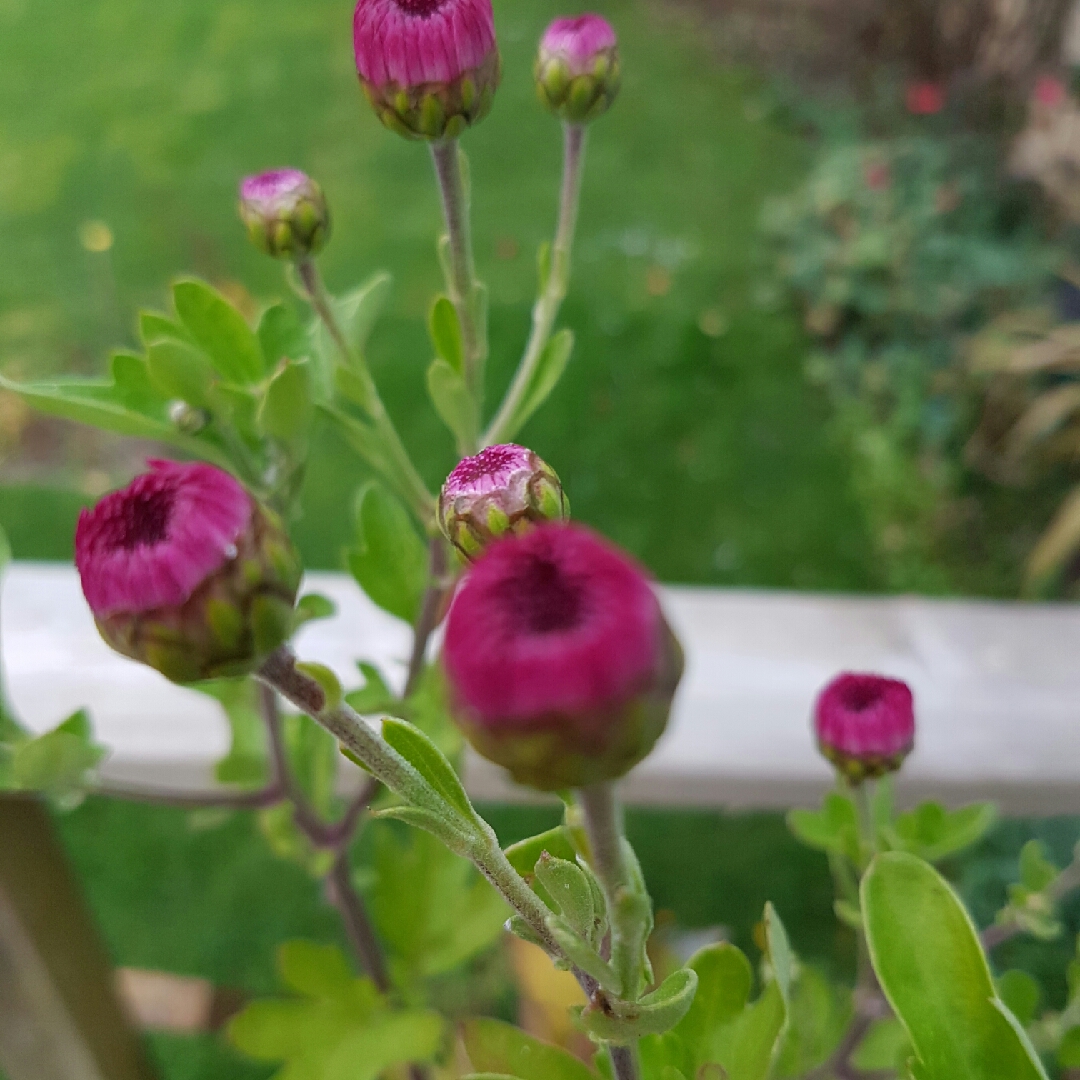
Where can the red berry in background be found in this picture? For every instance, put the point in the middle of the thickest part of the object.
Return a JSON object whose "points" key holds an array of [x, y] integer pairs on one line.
{"points": [[924, 98]]}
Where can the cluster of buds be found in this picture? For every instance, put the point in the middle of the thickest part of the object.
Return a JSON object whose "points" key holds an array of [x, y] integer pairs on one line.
{"points": [[285, 213], [865, 725], [503, 489], [185, 571]]}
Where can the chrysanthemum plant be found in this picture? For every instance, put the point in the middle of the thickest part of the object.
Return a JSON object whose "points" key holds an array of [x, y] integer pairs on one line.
{"points": [[556, 663]]}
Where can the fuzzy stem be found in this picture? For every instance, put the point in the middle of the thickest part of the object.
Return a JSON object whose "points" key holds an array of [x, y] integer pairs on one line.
{"points": [[388, 766], [461, 280], [402, 471], [546, 309]]}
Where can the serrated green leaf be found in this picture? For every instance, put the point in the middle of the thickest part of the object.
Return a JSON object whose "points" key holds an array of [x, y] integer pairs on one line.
{"points": [[390, 561], [155, 327], [314, 970], [496, 1047], [654, 1014], [545, 378], [426, 758], [445, 331], [524, 854], [288, 408], [57, 762], [453, 402], [219, 330], [928, 959]]}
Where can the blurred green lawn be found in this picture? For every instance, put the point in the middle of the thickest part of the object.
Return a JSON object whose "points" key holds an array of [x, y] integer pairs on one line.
{"points": [[703, 454]]}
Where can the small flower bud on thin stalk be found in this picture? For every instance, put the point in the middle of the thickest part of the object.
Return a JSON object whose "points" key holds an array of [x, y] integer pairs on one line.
{"points": [[560, 664], [577, 68], [185, 571], [285, 213], [503, 489], [430, 68], [865, 725]]}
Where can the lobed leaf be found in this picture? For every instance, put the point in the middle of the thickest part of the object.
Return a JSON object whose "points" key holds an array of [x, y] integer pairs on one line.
{"points": [[219, 330]]}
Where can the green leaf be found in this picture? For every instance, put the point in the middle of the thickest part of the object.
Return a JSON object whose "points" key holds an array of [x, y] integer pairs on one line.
{"points": [[545, 378], [524, 854], [654, 1014], [311, 607], [390, 561], [315, 970], [246, 762], [10, 729], [287, 409], [432, 910], [180, 371], [363, 438], [927, 956], [495, 1047], [780, 956], [886, 1046], [287, 841], [445, 331], [389, 1039], [56, 763], [1068, 1053], [582, 954], [155, 327], [313, 754], [448, 830], [357, 312], [219, 330], [282, 336], [833, 828], [818, 1015], [453, 402], [747, 1047], [933, 833], [569, 886], [724, 981], [1036, 869], [428, 760], [375, 695]]}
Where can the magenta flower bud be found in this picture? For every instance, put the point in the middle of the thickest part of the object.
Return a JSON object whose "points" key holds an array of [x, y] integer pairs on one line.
{"points": [[577, 68], [503, 489], [865, 724], [285, 213], [560, 664], [430, 68], [188, 573]]}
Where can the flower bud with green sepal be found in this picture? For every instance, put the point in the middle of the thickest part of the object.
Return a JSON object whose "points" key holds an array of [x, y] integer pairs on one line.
{"points": [[285, 213], [429, 68], [503, 489], [559, 662], [186, 572], [577, 68]]}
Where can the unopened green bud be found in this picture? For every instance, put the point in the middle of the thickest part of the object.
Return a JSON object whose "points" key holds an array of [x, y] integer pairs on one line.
{"points": [[577, 68]]}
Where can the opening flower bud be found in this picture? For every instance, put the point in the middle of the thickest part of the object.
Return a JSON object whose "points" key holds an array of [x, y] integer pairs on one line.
{"points": [[560, 664], [865, 724], [430, 68], [503, 489], [188, 573], [577, 68], [285, 213]]}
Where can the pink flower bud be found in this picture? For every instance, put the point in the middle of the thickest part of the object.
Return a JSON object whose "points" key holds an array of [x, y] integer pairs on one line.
{"points": [[1050, 92], [285, 213], [924, 98], [865, 724], [577, 68], [502, 489], [430, 68], [186, 572], [560, 664]]}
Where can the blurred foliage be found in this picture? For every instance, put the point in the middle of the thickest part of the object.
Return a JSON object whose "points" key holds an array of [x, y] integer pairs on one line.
{"points": [[895, 249]]}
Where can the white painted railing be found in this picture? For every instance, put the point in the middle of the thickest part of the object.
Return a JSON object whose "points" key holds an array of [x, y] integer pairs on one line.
{"points": [[997, 689]]}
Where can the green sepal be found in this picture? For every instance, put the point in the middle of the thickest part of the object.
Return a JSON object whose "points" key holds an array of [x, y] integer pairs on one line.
{"points": [[660, 1011], [219, 330]]}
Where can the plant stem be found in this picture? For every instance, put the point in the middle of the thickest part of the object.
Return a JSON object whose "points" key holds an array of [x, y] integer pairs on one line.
{"points": [[1066, 882], [553, 290], [401, 471], [428, 618], [623, 1062], [388, 766], [461, 271], [358, 928]]}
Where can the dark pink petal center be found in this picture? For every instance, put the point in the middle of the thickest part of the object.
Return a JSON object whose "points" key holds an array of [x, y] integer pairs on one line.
{"points": [[541, 599], [421, 9], [858, 695]]}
